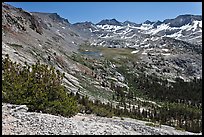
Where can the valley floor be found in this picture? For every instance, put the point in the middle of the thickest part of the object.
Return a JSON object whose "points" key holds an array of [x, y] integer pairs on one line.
{"points": [[16, 120]]}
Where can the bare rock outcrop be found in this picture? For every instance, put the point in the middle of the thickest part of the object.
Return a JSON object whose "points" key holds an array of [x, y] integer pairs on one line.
{"points": [[17, 121]]}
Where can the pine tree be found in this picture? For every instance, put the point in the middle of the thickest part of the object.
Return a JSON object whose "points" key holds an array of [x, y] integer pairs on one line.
{"points": [[37, 86]]}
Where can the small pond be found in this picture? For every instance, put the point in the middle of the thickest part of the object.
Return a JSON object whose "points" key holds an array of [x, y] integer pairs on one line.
{"points": [[92, 53]]}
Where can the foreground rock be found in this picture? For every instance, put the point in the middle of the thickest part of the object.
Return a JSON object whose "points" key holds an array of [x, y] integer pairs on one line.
{"points": [[16, 120]]}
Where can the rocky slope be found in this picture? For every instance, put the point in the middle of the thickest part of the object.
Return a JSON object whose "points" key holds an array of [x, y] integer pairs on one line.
{"points": [[39, 36], [17, 121]]}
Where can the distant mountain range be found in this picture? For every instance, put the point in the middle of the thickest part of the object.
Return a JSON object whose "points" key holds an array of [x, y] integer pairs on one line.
{"points": [[184, 27]]}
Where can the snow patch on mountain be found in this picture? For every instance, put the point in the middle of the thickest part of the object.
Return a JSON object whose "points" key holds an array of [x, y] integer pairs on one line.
{"points": [[109, 27], [135, 51]]}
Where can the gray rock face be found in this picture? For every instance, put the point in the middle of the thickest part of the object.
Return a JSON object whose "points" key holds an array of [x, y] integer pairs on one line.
{"points": [[53, 16], [30, 123], [24, 18]]}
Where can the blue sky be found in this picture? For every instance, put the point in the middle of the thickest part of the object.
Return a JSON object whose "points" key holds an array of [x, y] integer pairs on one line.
{"points": [[96, 11]]}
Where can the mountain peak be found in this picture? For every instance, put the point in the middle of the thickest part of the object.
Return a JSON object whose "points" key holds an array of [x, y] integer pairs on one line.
{"points": [[84, 24], [183, 20], [54, 16], [110, 22], [148, 22]]}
